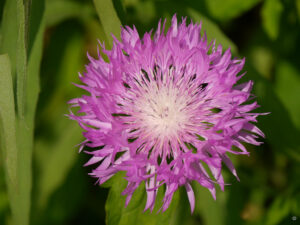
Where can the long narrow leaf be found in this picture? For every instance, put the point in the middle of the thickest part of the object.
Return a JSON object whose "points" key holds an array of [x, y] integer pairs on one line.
{"points": [[8, 131], [109, 18], [21, 63], [25, 72], [212, 30], [58, 11], [210, 210], [61, 153], [25, 125], [60, 159], [14, 44]]}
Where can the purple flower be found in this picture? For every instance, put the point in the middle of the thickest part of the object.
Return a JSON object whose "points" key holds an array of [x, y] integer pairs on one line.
{"points": [[163, 107]]}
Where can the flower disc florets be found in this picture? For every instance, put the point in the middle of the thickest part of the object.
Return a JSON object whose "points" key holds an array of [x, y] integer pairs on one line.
{"points": [[161, 108]]}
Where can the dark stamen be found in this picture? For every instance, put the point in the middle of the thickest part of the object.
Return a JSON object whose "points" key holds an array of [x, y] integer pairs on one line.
{"points": [[126, 85], [130, 140], [202, 86], [145, 74]]}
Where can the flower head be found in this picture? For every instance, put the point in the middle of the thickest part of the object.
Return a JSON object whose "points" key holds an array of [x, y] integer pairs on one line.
{"points": [[163, 107]]}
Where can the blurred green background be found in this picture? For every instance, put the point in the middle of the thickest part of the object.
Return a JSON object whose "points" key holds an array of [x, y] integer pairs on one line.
{"points": [[42, 178]]}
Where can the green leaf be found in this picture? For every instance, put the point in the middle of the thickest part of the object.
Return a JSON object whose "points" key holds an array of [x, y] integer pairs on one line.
{"points": [[25, 126], [9, 34], [212, 30], [279, 139], [279, 209], [287, 88], [212, 211], [295, 204], [263, 60], [58, 11], [8, 131], [34, 60], [117, 214], [236, 199], [229, 9], [56, 160], [298, 8], [108, 18], [56, 156], [271, 13], [72, 201], [14, 43]]}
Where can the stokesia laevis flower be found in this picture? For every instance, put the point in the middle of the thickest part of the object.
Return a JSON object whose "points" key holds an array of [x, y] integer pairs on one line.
{"points": [[163, 107]]}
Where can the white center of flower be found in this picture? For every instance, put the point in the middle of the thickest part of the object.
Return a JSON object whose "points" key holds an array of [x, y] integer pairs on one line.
{"points": [[162, 111]]}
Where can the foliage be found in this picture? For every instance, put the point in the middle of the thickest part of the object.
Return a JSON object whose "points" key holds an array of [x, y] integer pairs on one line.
{"points": [[42, 180]]}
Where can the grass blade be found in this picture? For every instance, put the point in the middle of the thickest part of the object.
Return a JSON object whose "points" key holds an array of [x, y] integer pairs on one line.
{"points": [[8, 131], [15, 42], [109, 18], [60, 154], [58, 11], [25, 125], [212, 30]]}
